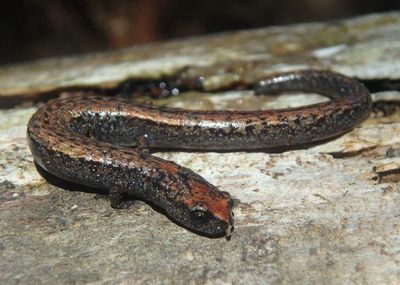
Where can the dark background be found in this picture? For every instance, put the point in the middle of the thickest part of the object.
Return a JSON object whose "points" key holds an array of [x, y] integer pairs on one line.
{"points": [[32, 29]]}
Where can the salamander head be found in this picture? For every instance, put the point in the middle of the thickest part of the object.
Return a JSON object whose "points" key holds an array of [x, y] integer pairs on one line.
{"points": [[193, 202], [209, 211]]}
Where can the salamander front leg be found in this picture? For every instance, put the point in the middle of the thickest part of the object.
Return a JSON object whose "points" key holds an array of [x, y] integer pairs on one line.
{"points": [[120, 199]]}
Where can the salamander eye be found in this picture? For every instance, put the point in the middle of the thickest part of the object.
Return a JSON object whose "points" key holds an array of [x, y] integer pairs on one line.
{"points": [[200, 216]]}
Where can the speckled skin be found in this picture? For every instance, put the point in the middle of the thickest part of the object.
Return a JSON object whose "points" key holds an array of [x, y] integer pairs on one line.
{"points": [[99, 142]]}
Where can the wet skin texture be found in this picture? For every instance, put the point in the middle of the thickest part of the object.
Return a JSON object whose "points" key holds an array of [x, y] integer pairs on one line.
{"points": [[102, 141]]}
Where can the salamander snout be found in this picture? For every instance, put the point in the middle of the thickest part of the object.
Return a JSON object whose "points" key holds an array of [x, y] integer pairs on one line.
{"points": [[209, 210]]}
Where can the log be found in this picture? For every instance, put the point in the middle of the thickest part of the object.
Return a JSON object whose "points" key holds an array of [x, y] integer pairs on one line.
{"points": [[322, 214]]}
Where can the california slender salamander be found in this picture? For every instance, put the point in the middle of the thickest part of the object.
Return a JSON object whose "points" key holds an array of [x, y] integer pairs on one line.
{"points": [[90, 140]]}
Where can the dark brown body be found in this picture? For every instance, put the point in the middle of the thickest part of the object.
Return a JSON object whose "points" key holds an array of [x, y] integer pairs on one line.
{"points": [[91, 140]]}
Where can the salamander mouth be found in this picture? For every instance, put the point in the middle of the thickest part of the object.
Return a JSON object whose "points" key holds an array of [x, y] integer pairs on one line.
{"points": [[230, 227], [229, 231]]}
